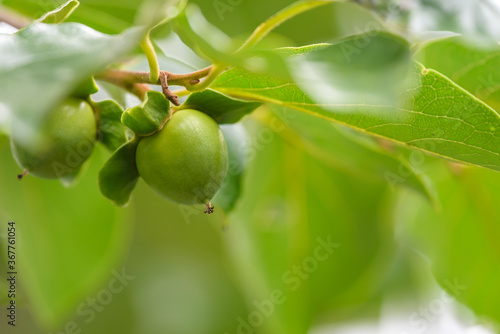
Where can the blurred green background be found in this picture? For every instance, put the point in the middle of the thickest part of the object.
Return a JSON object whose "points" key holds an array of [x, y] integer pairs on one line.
{"points": [[307, 183]]}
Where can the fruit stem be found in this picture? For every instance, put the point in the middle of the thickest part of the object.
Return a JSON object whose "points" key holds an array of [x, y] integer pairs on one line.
{"points": [[209, 208], [149, 50], [23, 174]]}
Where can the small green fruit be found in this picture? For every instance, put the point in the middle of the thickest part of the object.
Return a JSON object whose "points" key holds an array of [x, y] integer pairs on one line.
{"points": [[186, 162], [60, 144]]}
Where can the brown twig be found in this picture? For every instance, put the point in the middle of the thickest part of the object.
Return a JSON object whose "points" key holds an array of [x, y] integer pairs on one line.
{"points": [[138, 90], [12, 18], [164, 88], [186, 79]]}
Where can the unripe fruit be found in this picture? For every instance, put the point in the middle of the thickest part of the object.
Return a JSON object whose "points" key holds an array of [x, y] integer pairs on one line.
{"points": [[186, 162], [60, 144]]}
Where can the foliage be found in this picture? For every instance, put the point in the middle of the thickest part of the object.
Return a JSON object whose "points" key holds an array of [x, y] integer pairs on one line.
{"points": [[347, 129]]}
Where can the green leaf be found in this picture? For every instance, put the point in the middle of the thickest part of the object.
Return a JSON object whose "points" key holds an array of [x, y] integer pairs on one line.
{"points": [[283, 15], [292, 204], [461, 240], [333, 21], [210, 44], [358, 155], [47, 62], [222, 108], [61, 258], [163, 13], [112, 16], [351, 70], [155, 13], [148, 117], [118, 94], [471, 66], [201, 36], [119, 174], [295, 51], [60, 14], [434, 115], [112, 133], [229, 193]]}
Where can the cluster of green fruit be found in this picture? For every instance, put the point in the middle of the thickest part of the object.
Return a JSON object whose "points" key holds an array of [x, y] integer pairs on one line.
{"points": [[185, 162]]}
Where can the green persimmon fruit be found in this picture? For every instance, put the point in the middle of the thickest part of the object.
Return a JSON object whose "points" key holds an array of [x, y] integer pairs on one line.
{"points": [[186, 162], [57, 146]]}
